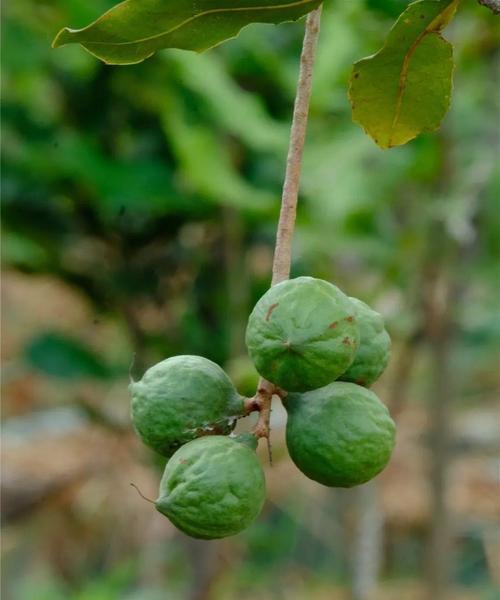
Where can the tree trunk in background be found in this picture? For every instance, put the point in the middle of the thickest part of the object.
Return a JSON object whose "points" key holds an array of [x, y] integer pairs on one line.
{"points": [[205, 556], [438, 333], [206, 567], [237, 281], [400, 382], [137, 338], [367, 543]]}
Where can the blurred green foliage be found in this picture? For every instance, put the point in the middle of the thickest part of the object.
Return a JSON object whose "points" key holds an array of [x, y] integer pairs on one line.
{"points": [[153, 192], [63, 357], [116, 180]]}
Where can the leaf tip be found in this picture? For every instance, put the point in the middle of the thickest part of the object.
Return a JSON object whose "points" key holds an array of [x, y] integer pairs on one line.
{"points": [[61, 38], [383, 144]]}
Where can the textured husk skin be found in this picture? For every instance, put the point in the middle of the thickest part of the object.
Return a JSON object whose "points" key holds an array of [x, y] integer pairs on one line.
{"points": [[374, 349], [213, 487], [180, 399], [340, 435], [302, 334]]}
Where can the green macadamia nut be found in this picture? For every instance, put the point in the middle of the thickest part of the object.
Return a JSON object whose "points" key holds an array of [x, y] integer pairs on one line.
{"points": [[182, 398], [243, 374], [213, 487], [340, 435], [302, 334], [374, 349]]}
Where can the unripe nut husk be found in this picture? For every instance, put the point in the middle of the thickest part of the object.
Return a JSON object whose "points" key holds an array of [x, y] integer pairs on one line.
{"points": [[302, 334], [213, 487], [374, 349], [340, 435], [182, 398]]}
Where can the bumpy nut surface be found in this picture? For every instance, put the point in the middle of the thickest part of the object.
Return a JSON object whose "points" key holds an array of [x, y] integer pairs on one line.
{"points": [[182, 398], [340, 435], [302, 334], [374, 349], [213, 487]]}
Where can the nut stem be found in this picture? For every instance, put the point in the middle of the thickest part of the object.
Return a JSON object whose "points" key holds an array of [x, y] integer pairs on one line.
{"points": [[286, 224]]}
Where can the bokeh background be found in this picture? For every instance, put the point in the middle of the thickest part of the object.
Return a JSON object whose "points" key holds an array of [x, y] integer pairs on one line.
{"points": [[139, 211]]}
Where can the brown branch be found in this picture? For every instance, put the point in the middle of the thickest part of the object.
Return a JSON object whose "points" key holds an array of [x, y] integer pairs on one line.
{"points": [[286, 224]]}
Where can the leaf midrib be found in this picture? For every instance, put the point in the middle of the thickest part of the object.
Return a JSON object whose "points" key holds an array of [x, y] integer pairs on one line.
{"points": [[435, 26], [190, 19]]}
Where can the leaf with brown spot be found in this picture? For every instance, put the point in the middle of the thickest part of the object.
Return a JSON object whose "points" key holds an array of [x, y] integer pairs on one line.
{"points": [[405, 88]]}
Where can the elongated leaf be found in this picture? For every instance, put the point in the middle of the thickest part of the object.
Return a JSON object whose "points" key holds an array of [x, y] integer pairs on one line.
{"points": [[64, 357], [135, 29], [205, 163], [405, 88]]}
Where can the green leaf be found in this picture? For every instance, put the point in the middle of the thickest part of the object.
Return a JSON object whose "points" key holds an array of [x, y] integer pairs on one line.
{"points": [[64, 357], [405, 88], [135, 29], [226, 101], [206, 165]]}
